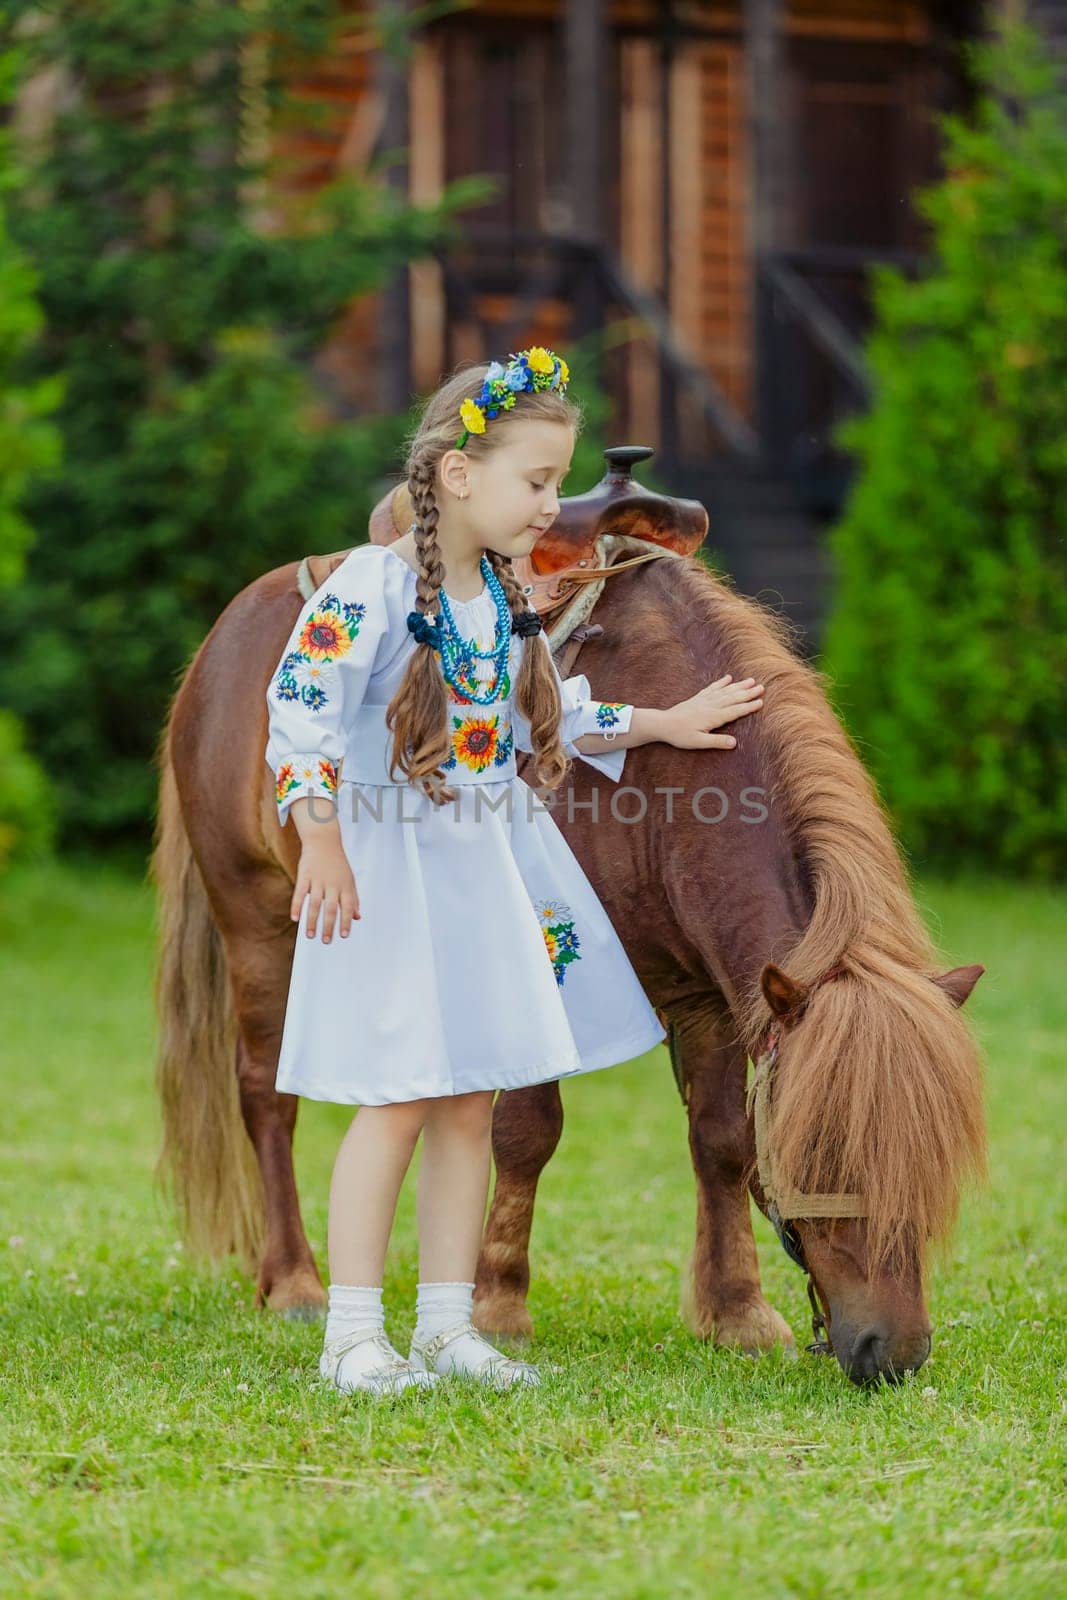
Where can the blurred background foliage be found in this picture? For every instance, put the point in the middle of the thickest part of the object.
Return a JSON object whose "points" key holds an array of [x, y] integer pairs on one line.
{"points": [[197, 451], [165, 438], [948, 638], [30, 446]]}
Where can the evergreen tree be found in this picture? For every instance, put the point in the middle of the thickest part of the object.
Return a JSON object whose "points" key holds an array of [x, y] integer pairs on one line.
{"points": [[29, 447], [198, 452], [948, 640]]}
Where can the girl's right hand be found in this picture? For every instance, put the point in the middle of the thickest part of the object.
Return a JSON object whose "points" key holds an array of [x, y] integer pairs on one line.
{"points": [[325, 876], [692, 721]]}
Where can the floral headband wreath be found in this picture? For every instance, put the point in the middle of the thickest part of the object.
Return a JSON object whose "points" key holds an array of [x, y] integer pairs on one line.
{"points": [[526, 373], [529, 371]]}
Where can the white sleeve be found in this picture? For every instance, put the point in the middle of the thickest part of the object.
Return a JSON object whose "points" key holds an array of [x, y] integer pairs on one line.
{"points": [[322, 677], [581, 715]]}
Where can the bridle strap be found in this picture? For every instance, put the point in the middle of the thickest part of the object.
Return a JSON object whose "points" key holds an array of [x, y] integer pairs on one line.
{"points": [[784, 1205], [789, 1203]]}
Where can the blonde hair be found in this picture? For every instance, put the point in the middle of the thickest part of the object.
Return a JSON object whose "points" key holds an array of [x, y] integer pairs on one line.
{"points": [[418, 714]]}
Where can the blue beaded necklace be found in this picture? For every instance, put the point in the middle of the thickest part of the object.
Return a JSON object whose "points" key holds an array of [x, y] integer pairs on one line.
{"points": [[459, 654]]}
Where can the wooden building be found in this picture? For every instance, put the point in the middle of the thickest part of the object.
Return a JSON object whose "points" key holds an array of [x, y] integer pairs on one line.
{"points": [[700, 186]]}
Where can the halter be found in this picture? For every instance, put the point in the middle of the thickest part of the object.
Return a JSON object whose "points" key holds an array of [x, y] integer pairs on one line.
{"points": [[784, 1204]]}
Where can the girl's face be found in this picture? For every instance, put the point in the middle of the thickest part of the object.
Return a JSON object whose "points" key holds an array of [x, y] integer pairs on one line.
{"points": [[513, 492]]}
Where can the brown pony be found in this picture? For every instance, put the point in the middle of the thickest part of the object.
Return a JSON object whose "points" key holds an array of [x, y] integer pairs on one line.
{"points": [[749, 874]]}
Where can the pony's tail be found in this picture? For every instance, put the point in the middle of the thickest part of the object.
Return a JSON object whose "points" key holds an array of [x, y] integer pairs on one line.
{"points": [[206, 1162]]}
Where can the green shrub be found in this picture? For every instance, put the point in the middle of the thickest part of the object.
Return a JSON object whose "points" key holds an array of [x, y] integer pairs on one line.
{"points": [[199, 451], [948, 638], [29, 448]]}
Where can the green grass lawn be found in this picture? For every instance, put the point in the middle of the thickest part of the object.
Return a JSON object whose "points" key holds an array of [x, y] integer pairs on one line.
{"points": [[160, 1435]]}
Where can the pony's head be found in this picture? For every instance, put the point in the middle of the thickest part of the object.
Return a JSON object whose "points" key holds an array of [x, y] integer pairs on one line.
{"points": [[877, 1095], [877, 1087]]}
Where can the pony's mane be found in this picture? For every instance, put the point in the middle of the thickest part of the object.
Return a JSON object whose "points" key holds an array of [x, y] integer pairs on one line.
{"points": [[878, 1089]]}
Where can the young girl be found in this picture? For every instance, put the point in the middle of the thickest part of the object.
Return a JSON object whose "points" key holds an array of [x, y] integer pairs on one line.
{"points": [[473, 954]]}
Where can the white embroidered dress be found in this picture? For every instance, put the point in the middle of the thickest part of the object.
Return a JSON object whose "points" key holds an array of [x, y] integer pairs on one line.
{"points": [[483, 958]]}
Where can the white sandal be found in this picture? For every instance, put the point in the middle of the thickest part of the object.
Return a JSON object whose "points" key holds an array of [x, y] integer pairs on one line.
{"points": [[499, 1370], [392, 1376]]}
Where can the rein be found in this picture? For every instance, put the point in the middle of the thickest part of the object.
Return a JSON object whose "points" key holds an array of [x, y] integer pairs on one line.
{"points": [[784, 1204]]}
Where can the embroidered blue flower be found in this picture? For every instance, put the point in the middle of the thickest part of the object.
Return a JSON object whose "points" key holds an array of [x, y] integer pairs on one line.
{"points": [[326, 635], [561, 938], [607, 712]]}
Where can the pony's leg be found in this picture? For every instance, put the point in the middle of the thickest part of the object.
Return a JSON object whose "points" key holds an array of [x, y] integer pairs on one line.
{"points": [[721, 1297], [527, 1124], [288, 1278]]}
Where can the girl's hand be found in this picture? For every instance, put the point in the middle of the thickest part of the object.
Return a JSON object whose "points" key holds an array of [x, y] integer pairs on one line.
{"points": [[690, 721], [326, 877]]}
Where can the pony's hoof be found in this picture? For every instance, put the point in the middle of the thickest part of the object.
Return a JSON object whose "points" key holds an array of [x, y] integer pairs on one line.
{"points": [[303, 1313], [298, 1296], [755, 1330], [505, 1317]]}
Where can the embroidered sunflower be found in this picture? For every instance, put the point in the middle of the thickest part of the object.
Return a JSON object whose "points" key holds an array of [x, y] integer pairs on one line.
{"points": [[561, 938], [474, 741], [328, 632]]}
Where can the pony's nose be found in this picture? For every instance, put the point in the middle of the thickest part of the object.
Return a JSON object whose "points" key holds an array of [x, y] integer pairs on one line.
{"points": [[874, 1356], [865, 1359]]}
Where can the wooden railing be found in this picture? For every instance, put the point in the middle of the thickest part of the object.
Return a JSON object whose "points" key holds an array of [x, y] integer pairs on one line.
{"points": [[812, 307], [812, 311], [529, 268]]}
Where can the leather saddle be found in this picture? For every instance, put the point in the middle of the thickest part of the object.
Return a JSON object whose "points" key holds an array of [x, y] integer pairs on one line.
{"points": [[618, 524]]}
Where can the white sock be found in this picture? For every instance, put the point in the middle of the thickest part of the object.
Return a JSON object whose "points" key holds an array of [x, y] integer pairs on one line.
{"points": [[352, 1308], [441, 1305]]}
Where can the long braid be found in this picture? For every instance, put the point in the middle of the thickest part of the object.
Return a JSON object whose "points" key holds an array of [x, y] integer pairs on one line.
{"points": [[420, 705], [431, 574], [418, 714]]}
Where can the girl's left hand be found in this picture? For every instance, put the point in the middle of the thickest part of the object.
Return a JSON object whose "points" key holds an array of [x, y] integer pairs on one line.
{"points": [[689, 723]]}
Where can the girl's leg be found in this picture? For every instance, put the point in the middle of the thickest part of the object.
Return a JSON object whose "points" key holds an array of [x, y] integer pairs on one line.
{"points": [[375, 1154], [368, 1172], [453, 1187]]}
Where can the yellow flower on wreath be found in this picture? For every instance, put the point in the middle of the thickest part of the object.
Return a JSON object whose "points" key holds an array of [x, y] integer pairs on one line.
{"points": [[473, 417], [539, 359], [564, 371]]}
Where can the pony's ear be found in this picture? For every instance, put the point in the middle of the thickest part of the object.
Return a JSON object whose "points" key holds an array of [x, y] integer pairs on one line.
{"points": [[958, 983], [779, 990]]}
